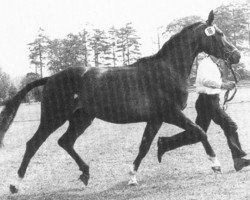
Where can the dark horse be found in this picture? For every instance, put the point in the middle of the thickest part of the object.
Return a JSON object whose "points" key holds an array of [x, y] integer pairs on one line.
{"points": [[152, 90]]}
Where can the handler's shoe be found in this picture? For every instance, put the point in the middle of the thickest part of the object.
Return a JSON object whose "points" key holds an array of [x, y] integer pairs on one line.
{"points": [[160, 151], [239, 163]]}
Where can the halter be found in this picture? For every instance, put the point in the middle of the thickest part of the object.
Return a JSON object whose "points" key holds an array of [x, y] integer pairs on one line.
{"points": [[226, 96]]}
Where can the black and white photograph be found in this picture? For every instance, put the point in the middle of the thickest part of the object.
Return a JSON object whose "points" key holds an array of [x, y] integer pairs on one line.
{"points": [[120, 100]]}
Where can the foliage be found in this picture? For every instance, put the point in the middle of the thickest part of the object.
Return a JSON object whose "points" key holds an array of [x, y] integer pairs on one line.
{"points": [[84, 49], [70, 51], [232, 19], [241, 70], [100, 46], [103, 48], [178, 24], [38, 49], [128, 44], [7, 88], [113, 40], [36, 93]]}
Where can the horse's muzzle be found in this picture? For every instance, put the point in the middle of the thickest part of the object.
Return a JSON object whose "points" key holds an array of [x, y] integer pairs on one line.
{"points": [[235, 56]]}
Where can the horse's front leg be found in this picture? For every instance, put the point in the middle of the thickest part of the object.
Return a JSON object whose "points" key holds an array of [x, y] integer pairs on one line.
{"points": [[147, 138]]}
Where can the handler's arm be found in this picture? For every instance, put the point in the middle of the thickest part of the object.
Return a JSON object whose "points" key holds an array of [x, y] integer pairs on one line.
{"points": [[212, 83]]}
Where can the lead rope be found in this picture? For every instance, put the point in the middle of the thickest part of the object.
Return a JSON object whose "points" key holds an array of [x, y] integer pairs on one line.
{"points": [[226, 96]]}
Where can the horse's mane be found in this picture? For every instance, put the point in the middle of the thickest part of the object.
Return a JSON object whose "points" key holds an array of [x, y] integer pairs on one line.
{"points": [[169, 43]]}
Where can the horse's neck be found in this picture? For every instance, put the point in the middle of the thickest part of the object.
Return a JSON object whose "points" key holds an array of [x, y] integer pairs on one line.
{"points": [[181, 54]]}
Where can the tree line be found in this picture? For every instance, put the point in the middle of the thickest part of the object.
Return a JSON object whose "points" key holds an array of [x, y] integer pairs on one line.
{"points": [[90, 47], [119, 46], [95, 47]]}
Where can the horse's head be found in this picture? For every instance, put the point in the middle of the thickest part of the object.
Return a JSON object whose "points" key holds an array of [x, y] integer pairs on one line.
{"points": [[214, 42]]}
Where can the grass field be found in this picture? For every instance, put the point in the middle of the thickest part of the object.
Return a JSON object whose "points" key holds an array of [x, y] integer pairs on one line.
{"points": [[110, 149]]}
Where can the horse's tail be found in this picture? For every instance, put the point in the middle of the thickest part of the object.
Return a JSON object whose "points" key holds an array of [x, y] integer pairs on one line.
{"points": [[11, 106]]}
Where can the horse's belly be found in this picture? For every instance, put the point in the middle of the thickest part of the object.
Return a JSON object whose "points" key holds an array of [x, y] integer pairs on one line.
{"points": [[121, 108]]}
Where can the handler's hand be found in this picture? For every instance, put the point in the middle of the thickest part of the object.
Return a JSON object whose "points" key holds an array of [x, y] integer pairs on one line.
{"points": [[228, 86]]}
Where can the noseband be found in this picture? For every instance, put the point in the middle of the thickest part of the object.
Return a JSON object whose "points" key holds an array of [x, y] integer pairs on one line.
{"points": [[227, 54]]}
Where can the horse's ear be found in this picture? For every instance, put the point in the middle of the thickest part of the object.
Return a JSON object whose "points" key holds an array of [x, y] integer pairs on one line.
{"points": [[210, 18]]}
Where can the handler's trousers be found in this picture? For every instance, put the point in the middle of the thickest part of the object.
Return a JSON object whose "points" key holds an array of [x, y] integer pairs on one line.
{"points": [[208, 108]]}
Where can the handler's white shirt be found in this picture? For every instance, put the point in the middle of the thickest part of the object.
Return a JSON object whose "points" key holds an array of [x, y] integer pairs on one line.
{"points": [[208, 79]]}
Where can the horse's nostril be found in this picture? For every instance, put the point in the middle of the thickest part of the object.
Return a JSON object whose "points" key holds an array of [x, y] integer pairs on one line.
{"points": [[235, 57], [239, 56]]}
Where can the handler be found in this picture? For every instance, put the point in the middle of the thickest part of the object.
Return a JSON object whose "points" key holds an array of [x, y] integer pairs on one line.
{"points": [[208, 85]]}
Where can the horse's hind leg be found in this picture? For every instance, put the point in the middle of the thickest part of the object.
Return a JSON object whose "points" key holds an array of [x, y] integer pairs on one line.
{"points": [[78, 122], [44, 130]]}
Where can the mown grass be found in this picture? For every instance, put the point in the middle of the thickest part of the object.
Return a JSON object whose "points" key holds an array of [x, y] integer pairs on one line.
{"points": [[109, 149]]}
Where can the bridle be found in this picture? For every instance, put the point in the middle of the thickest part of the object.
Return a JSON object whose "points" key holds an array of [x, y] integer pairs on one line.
{"points": [[229, 65], [209, 31]]}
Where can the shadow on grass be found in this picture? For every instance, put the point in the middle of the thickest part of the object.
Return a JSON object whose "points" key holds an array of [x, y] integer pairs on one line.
{"points": [[119, 191], [160, 185]]}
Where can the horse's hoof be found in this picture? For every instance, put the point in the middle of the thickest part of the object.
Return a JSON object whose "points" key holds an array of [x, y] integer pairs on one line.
{"points": [[133, 183], [84, 178], [217, 169], [13, 189]]}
